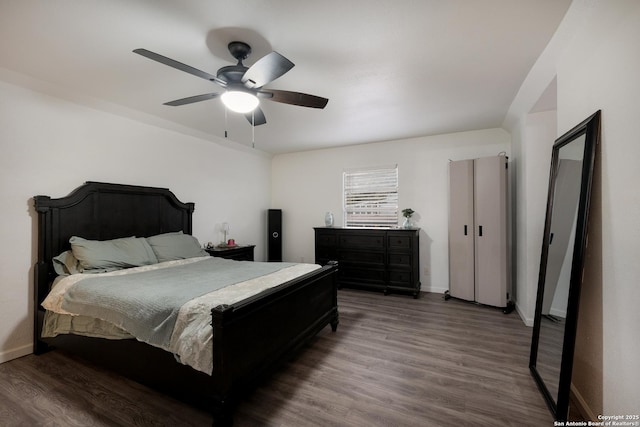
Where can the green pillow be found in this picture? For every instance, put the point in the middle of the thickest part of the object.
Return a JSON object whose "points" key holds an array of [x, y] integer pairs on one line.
{"points": [[66, 264], [98, 256], [170, 246]]}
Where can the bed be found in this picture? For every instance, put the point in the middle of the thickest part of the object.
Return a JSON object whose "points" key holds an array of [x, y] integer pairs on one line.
{"points": [[250, 337]]}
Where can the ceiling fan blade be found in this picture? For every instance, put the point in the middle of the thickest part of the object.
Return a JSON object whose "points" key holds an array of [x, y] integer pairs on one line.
{"points": [[179, 66], [192, 99], [266, 69], [256, 117], [294, 98]]}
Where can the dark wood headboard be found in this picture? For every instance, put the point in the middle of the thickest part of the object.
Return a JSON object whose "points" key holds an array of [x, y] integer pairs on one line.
{"points": [[101, 211]]}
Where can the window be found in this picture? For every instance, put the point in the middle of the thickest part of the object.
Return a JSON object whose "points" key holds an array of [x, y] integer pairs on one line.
{"points": [[371, 197]]}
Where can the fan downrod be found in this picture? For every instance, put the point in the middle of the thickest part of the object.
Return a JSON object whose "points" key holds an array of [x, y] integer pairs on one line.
{"points": [[239, 50]]}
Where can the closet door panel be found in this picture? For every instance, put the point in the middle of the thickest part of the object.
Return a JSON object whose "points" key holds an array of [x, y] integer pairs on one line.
{"points": [[490, 204], [461, 226]]}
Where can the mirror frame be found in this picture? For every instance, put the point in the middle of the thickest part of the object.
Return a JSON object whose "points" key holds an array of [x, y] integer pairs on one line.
{"points": [[590, 127]]}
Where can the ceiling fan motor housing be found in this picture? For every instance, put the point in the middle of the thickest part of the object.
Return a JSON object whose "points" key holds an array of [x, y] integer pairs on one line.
{"points": [[232, 73], [239, 50]]}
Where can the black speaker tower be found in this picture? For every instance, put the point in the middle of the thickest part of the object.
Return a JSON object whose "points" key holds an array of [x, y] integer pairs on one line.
{"points": [[274, 235]]}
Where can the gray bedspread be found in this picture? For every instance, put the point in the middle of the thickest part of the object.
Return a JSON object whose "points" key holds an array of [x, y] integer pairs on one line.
{"points": [[147, 303]]}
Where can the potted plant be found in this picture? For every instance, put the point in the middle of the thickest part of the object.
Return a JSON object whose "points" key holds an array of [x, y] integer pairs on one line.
{"points": [[407, 214]]}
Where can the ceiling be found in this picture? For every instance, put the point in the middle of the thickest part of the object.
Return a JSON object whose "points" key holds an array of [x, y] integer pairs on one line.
{"points": [[391, 69]]}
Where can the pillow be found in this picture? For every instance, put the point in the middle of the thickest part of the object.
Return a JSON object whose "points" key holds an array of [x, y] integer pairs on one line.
{"points": [[98, 256], [170, 246], [66, 264]]}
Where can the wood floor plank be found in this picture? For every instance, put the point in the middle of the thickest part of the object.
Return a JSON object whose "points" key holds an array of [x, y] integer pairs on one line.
{"points": [[394, 361]]}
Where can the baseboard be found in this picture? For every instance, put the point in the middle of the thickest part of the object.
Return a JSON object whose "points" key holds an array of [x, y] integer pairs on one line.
{"points": [[5, 356], [558, 313], [581, 405], [434, 290], [527, 321]]}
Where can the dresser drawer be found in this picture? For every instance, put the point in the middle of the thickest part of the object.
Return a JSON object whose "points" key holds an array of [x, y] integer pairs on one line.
{"points": [[325, 239], [359, 257], [360, 241], [357, 275], [401, 243], [400, 259], [326, 253], [401, 278]]}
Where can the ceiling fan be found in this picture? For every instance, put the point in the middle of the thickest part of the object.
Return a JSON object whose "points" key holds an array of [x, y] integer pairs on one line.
{"points": [[244, 85]]}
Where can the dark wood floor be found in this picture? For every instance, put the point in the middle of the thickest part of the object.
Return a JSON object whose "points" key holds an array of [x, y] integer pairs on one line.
{"points": [[394, 361]]}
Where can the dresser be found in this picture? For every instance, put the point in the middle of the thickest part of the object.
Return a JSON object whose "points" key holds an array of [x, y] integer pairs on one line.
{"points": [[385, 260]]}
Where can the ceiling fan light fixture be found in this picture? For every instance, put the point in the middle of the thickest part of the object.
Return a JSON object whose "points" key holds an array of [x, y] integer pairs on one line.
{"points": [[239, 101]]}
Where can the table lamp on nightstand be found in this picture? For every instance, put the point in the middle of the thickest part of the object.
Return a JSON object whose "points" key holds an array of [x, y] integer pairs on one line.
{"points": [[225, 231]]}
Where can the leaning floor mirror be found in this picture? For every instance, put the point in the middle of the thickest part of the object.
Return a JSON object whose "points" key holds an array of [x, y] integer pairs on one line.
{"points": [[561, 264]]}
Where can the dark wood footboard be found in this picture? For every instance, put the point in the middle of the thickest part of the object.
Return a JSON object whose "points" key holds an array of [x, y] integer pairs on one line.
{"points": [[252, 338]]}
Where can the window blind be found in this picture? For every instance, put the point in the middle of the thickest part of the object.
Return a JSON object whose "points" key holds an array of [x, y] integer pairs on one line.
{"points": [[371, 197]]}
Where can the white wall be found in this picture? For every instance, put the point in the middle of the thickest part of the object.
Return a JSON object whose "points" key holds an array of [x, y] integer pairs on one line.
{"points": [[307, 184], [533, 144], [50, 146], [597, 61], [600, 70]]}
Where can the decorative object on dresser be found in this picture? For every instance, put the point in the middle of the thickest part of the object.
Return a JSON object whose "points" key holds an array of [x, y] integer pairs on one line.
{"points": [[478, 232], [376, 259], [328, 219], [407, 214], [249, 338], [237, 252]]}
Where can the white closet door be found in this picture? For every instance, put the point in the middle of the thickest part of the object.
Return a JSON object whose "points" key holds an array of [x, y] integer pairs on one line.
{"points": [[461, 226], [490, 202]]}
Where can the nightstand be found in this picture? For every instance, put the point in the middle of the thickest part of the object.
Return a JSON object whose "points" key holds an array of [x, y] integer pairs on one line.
{"points": [[239, 253]]}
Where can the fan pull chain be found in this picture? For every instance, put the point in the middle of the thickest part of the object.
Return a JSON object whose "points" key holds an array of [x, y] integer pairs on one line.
{"points": [[225, 122], [253, 129]]}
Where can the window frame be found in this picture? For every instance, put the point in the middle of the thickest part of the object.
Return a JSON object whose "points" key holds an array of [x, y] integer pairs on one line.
{"points": [[376, 190]]}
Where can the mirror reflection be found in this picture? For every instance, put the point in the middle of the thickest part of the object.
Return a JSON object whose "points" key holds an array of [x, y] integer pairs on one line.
{"points": [[560, 256]]}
